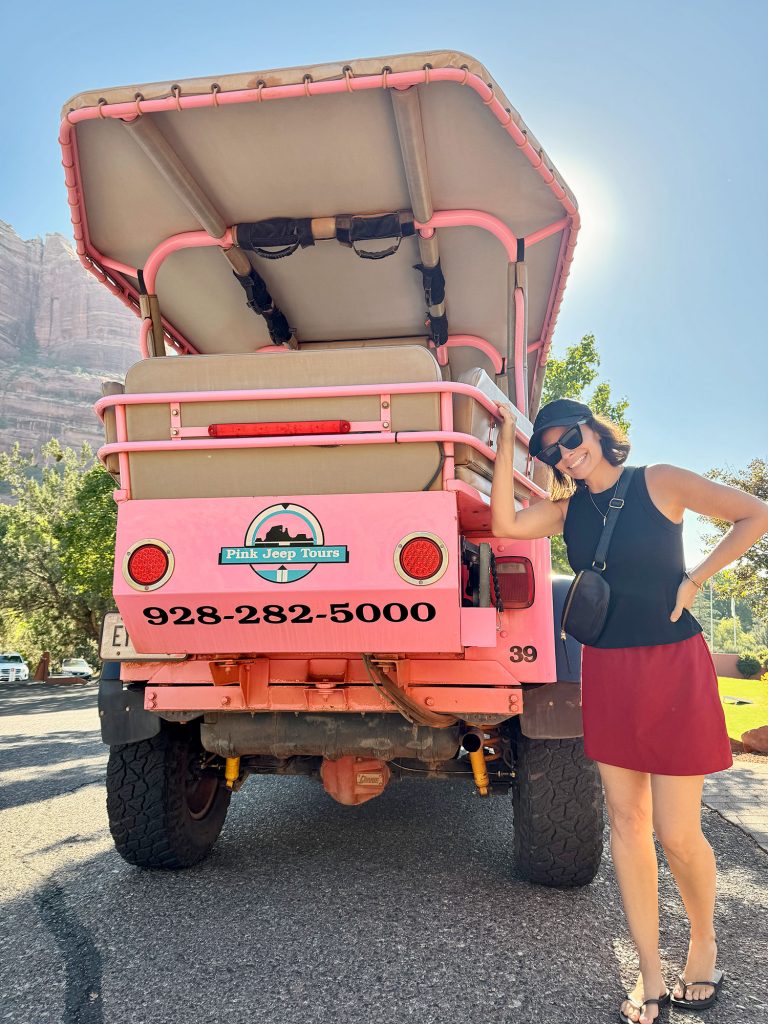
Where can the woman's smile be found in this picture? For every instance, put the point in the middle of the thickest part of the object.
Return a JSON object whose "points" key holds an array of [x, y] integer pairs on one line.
{"points": [[578, 462]]}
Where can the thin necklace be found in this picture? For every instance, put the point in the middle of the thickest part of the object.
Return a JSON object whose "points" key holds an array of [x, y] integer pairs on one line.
{"points": [[599, 512]]}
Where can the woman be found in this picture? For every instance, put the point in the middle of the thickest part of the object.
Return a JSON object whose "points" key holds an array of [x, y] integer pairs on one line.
{"points": [[652, 715]]}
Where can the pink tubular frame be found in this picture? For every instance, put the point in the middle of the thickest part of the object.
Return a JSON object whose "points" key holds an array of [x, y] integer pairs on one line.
{"points": [[454, 341], [447, 435], [471, 341], [115, 275], [444, 219]]}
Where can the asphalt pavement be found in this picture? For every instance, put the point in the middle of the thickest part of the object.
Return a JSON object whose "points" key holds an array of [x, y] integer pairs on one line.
{"points": [[404, 909]]}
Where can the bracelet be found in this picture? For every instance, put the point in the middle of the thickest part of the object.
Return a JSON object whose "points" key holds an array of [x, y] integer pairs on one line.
{"points": [[693, 581]]}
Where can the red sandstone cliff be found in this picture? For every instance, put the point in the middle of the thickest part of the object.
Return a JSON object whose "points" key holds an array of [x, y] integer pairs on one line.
{"points": [[61, 333]]}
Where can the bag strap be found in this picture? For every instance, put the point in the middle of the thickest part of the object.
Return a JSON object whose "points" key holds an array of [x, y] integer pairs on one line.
{"points": [[616, 504]]}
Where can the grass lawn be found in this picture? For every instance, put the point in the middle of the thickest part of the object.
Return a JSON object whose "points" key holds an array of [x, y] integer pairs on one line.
{"points": [[740, 717]]}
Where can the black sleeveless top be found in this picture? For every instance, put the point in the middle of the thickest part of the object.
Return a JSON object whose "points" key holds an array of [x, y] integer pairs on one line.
{"points": [[644, 565]]}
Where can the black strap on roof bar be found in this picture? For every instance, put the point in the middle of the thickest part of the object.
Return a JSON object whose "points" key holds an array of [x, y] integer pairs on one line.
{"points": [[351, 229], [287, 232], [281, 236], [438, 329], [433, 281], [260, 301]]}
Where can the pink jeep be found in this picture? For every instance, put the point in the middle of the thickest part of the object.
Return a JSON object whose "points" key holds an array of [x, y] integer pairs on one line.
{"points": [[339, 271]]}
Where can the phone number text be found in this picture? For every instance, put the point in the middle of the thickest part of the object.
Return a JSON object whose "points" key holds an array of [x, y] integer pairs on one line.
{"points": [[298, 614]]}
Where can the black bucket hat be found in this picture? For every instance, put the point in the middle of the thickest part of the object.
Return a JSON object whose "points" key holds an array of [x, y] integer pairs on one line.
{"points": [[563, 412]]}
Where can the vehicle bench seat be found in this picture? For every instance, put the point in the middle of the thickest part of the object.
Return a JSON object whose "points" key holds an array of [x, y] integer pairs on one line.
{"points": [[335, 470], [275, 471]]}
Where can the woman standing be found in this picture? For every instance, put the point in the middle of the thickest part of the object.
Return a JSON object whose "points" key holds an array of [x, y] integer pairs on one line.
{"points": [[653, 721]]}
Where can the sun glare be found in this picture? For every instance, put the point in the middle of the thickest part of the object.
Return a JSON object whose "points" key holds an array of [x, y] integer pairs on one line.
{"points": [[600, 233]]}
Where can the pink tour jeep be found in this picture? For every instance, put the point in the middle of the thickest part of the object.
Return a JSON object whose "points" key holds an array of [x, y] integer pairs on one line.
{"points": [[339, 271]]}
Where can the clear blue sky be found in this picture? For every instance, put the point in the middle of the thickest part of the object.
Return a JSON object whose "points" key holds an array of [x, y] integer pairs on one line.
{"points": [[653, 112]]}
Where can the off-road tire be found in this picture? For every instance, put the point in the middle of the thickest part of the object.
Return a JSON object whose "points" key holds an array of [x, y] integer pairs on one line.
{"points": [[159, 816], [558, 812]]}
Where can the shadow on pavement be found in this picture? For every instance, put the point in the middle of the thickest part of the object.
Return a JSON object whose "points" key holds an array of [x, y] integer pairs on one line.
{"points": [[403, 909], [43, 698], [49, 785], [58, 756], [25, 751]]}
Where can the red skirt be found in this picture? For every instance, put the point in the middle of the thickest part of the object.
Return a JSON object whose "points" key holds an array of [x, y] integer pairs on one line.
{"points": [[654, 709]]}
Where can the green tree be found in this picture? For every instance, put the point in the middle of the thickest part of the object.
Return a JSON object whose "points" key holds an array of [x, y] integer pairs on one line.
{"points": [[748, 578], [710, 609], [725, 630], [578, 370], [570, 377], [56, 551]]}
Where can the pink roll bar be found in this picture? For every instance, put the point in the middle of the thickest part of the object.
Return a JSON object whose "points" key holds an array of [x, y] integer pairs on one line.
{"points": [[146, 327], [472, 218], [122, 448], [94, 261], [300, 441], [444, 219], [454, 341], [547, 232], [278, 394], [448, 436], [472, 341], [184, 240]]}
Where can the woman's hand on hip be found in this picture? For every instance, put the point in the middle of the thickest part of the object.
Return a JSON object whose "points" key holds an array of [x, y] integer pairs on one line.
{"points": [[686, 594]]}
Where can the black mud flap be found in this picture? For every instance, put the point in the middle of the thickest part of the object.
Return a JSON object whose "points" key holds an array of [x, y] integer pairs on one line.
{"points": [[552, 711], [122, 714]]}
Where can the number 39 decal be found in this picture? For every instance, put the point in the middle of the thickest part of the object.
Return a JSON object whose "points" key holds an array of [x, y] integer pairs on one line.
{"points": [[526, 653]]}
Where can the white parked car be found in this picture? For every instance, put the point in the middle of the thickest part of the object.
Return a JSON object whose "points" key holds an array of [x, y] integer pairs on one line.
{"points": [[13, 668], [76, 667]]}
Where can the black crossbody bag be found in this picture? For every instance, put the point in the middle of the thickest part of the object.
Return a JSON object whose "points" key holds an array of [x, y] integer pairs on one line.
{"points": [[586, 603]]}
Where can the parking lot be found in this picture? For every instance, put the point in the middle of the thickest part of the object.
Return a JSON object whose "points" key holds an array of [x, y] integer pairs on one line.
{"points": [[403, 909]]}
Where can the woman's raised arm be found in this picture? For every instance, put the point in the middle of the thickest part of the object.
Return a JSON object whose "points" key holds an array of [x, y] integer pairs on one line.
{"points": [[544, 519]]}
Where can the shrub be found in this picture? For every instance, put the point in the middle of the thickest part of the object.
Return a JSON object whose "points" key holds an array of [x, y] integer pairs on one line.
{"points": [[749, 665], [761, 653]]}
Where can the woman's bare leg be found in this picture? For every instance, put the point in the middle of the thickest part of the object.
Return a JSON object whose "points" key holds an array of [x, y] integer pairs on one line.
{"points": [[628, 799], [677, 822]]}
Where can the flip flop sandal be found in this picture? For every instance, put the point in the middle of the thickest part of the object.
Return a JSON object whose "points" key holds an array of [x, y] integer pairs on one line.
{"points": [[661, 1001], [699, 1004]]}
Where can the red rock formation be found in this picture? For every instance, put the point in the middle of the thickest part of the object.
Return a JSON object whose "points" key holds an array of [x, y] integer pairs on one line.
{"points": [[755, 741], [61, 332]]}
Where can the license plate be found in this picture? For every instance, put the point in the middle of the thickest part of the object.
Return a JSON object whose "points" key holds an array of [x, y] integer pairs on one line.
{"points": [[116, 644]]}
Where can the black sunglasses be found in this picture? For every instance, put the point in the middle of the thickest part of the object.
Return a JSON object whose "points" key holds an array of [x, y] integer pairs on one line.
{"points": [[571, 439]]}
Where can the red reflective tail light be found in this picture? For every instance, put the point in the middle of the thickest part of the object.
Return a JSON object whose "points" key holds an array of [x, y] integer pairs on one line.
{"points": [[421, 558], [148, 564], [516, 583], [284, 429]]}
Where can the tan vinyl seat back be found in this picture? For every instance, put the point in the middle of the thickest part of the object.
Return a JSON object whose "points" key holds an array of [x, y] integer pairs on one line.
{"points": [[346, 469], [111, 463], [469, 417]]}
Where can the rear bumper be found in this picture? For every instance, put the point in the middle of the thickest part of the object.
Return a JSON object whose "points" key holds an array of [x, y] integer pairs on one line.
{"points": [[249, 690]]}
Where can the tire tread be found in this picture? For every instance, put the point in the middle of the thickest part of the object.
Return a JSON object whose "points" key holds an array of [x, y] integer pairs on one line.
{"points": [[145, 803], [558, 813]]}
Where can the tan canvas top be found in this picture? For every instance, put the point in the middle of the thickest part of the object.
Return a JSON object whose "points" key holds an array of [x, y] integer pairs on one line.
{"points": [[321, 156]]}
